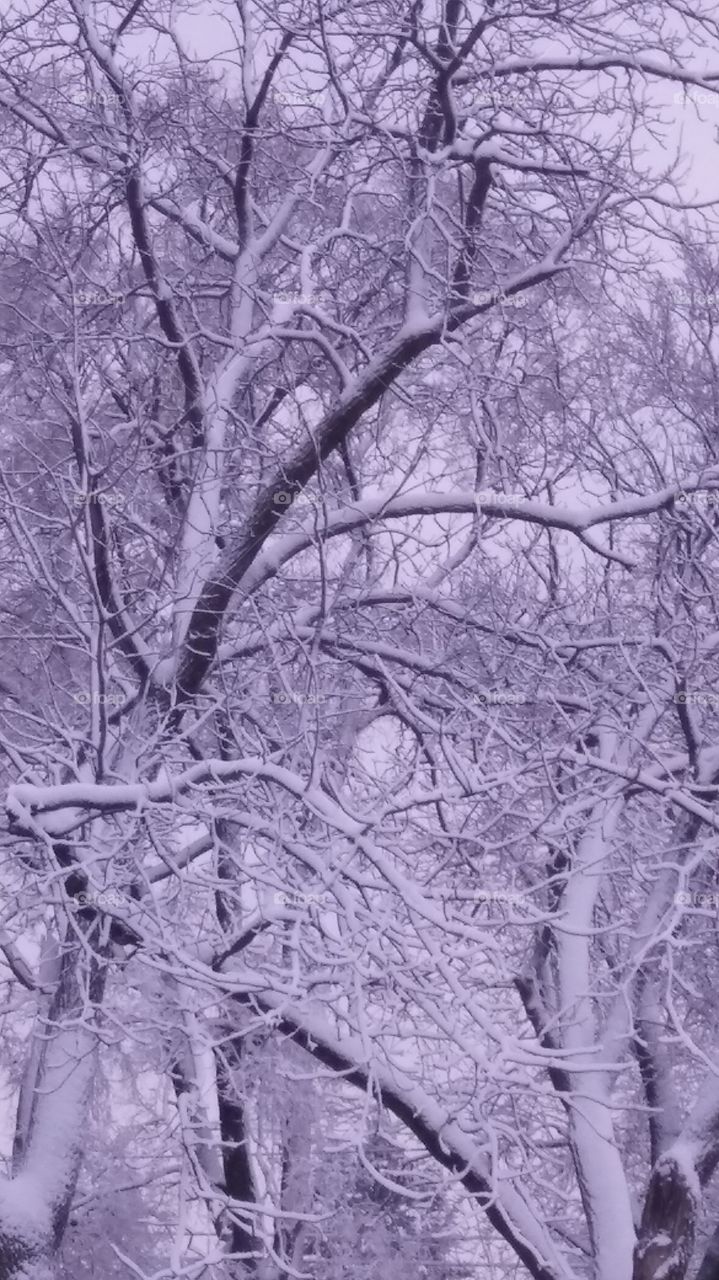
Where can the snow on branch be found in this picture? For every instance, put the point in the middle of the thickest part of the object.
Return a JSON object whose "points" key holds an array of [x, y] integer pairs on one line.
{"points": [[507, 1206], [247, 567]]}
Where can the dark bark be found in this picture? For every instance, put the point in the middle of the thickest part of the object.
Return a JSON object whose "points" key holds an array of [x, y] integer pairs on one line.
{"points": [[239, 1179], [361, 1077], [666, 1237], [709, 1266]]}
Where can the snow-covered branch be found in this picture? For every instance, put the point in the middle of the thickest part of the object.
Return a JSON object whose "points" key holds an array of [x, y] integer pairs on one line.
{"points": [[507, 1206]]}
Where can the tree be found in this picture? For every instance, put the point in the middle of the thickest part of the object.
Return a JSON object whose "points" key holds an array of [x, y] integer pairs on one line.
{"points": [[375, 1229], [359, 614]]}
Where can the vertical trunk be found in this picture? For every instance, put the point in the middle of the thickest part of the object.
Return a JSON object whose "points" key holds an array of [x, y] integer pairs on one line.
{"points": [[709, 1269], [674, 1196], [600, 1172], [666, 1238], [35, 1203], [239, 1177], [27, 1270]]}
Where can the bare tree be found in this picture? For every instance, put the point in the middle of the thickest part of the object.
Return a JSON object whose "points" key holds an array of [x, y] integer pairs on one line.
{"points": [[357, 554]]}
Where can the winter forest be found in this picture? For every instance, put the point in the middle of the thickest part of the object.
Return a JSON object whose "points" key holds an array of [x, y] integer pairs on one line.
{"points": [[359, 638]]}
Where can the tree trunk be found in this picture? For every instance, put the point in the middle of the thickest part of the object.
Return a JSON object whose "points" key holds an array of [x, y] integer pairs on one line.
{"points": [[668, 1225], [35, 1203], [709, 1269], [29, 1269], [674, 1196]]}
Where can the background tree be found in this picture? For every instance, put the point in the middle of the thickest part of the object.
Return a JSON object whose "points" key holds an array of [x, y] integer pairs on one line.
{"points": [[376, 1228]]}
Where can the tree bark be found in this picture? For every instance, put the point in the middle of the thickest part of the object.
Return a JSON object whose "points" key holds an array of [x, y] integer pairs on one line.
{"points": [[709, 1269], [35, 1202], [673, 1202], [668, 1225]]}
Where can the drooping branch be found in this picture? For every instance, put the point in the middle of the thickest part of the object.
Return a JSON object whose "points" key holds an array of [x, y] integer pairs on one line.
{"points": [[508, 1210]]}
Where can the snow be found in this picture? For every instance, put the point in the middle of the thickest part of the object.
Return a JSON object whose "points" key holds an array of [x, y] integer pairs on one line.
{"points": [[600, 1168], [30, 1200], [574, 517], [462, 1148], [24, 1213], [413, 993]]}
